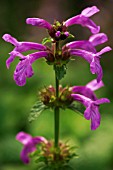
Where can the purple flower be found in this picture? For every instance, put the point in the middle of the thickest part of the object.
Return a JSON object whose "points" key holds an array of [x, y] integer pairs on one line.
{"points": [[87, 97], [83, 19], [86, 50], [29, 143], [23, 46], [24, 67], [88, 45], [88, 89], [39, 22]]}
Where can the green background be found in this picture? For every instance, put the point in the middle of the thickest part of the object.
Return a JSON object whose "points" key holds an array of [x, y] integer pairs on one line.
{"points": [[95, 148]]}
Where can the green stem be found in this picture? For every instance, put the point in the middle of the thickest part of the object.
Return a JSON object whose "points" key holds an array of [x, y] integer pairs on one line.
{"points": [[56, 116], [56, 110]]}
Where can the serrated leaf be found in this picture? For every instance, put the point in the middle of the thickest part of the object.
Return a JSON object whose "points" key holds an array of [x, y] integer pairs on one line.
{"points": [[77, 107], [46, 40], [36, 110], [60, 71]]}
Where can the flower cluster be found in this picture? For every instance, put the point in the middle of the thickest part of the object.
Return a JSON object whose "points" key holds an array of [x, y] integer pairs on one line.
{"points": [[83, 94], [48, 97], [55, 158], [46, 150], [84, 48]]}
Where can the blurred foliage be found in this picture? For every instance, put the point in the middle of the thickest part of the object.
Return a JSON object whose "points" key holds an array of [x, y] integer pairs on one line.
{"points": [[95, 147]]}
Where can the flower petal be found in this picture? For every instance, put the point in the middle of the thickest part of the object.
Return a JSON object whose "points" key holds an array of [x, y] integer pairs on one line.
{"points": [[88, 56], [95, 118], [84, 90], [84, 100], [104, 50], [101, 101], [93, 85], [9, 38], [25, 46], [86, 22], [96, 68], [37, 55], [13, 55], [23, 70], [23, 137], [29, 71], [29, 148], [83, 44], [39, 139], [39, 22], [87, 113], [97, 39], [88, 12], [83, 21]]}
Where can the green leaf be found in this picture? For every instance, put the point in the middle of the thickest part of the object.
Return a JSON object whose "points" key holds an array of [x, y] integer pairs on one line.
{"points": [[36, 110], [71, 36], [77, 107], [60, 71], [46, 40]]}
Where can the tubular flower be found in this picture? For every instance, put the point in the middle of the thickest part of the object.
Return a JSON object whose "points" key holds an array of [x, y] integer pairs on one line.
{"points": [[86, 96], [93, 59], [88, 45], [23, 46], [88, 89], [29, 143], [39, 22], [86, 49], [83, 19], [24, 67]]}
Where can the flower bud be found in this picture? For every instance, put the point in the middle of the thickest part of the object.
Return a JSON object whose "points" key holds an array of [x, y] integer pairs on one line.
{"points": [[58, 32], [48, 97], [50, 58], [65, 54]]}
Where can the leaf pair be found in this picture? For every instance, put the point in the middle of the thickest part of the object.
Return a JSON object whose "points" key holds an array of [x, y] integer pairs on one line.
{"points": [[39, 107]]}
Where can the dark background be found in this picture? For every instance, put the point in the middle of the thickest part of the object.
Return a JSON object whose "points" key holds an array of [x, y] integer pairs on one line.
{"points": [[95, 147]]}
